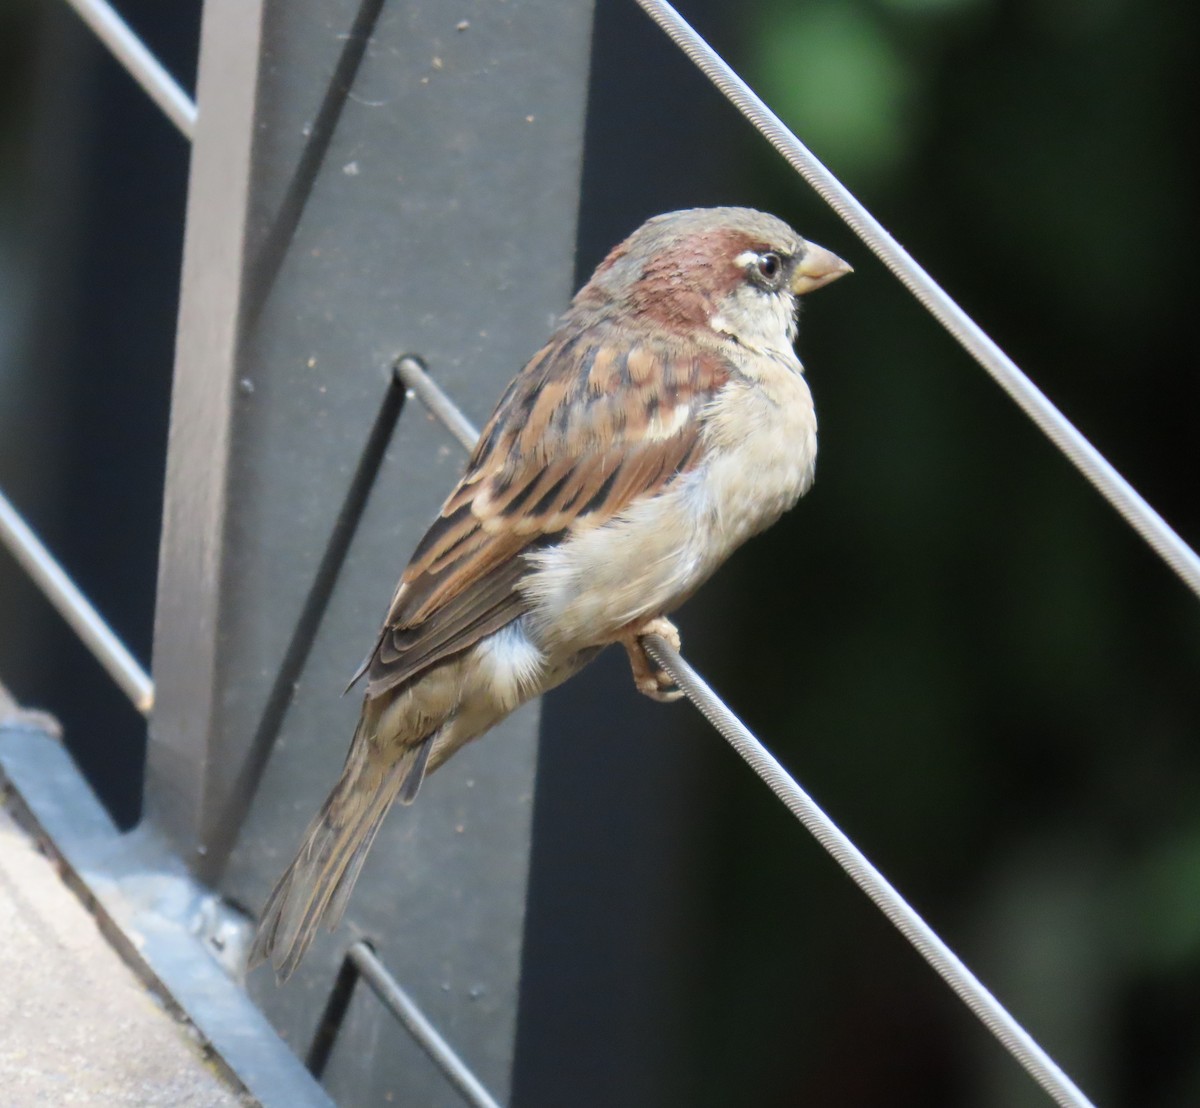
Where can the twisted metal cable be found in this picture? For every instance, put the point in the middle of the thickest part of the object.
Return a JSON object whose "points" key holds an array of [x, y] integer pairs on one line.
{"points": [[1052, 423], [139, 63], [1036, 1062], [970, 990], [1132, 507]]}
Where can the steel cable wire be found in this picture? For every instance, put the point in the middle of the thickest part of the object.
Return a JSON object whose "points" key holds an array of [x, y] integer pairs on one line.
{"points": [[1132, 507], [1032, 401], [994, 1016]]}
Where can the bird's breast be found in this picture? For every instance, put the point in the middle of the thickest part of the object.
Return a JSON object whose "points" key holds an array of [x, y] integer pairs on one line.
{"points": [[759, 454], [761, 439]]}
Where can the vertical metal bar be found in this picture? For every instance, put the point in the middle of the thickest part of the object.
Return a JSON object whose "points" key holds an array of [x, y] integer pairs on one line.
{"points": [[395, 178], [187, 614]]}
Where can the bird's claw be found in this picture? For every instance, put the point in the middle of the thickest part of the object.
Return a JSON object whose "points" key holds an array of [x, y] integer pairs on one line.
{"points": [[648, 677]]}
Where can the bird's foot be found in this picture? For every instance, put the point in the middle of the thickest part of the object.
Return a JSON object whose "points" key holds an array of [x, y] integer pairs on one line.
{"points": [[654, 682]]}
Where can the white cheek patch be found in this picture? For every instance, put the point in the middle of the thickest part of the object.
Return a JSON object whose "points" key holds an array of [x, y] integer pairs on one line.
{"points": [[762, 321]]}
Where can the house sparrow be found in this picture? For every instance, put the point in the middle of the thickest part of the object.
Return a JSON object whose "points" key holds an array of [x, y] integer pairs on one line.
{"points": [[665, 422]]}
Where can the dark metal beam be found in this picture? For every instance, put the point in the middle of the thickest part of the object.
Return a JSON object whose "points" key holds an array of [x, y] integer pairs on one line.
{"points": [[368, 180]]}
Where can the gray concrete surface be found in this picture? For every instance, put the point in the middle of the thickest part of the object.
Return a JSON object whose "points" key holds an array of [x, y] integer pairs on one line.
{"points": [[77, 1027]]}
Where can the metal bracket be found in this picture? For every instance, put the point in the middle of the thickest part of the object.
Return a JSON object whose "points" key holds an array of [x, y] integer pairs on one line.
{"points": [[172, 931]]}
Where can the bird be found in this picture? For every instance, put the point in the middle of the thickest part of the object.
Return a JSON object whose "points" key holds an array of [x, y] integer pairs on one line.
{"points": [[666, 420]]}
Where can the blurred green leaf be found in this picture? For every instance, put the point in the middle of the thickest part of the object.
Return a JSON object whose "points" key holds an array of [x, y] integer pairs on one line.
{"points": [[831, 72], [1166, 902]]}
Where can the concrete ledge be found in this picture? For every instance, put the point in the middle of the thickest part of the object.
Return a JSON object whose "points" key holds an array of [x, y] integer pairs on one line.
{"points": [[76, 1024], [167, 938]]}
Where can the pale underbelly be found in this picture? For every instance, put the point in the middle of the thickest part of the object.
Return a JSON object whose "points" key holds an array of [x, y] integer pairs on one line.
{"points": [[647, 561]]}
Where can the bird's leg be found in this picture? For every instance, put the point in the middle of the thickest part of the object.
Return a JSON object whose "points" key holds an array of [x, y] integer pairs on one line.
{"points": [[654, 682]]}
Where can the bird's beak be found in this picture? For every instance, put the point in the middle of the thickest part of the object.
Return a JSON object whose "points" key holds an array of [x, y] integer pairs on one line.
{"points": [[818, 267]]}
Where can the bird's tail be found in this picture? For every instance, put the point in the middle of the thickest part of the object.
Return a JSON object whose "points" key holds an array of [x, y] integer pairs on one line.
{"points": [[318, 883]]}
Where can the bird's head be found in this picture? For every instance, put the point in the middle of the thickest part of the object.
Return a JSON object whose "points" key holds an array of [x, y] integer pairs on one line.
{"points": [[733, 272]]}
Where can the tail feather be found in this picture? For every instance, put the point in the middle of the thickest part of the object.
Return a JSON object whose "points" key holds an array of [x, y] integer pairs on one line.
{"points": [[411, 784], [318, 883], [411, 778]]}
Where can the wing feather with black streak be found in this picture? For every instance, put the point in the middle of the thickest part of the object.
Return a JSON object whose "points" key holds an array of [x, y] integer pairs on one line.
{"points": [[591, 424]]}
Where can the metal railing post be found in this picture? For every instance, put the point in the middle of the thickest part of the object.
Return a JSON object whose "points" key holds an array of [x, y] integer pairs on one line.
{"points": [[368, 180], [184, 766]]}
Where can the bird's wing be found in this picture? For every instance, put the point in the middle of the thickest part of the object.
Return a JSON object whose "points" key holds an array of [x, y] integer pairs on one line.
{"points": [[592, 423]]}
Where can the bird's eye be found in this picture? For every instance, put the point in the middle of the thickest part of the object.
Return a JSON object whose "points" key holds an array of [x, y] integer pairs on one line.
{"points": [[769, 265]]}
